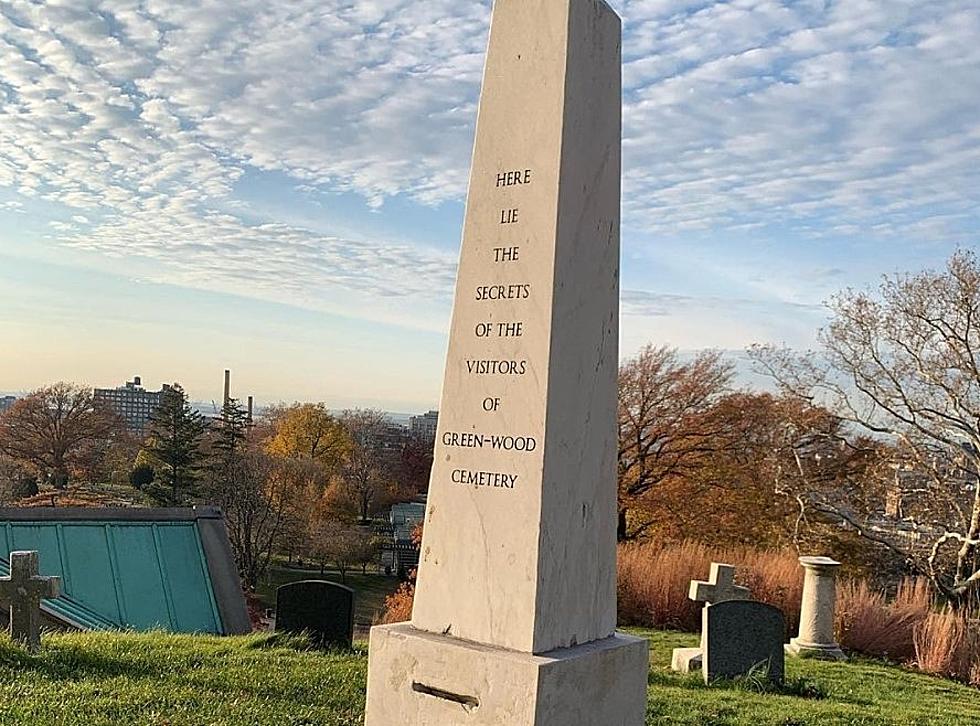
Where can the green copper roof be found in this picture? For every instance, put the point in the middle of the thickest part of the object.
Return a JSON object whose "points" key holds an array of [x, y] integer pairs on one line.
{"points": [[138, 575]]}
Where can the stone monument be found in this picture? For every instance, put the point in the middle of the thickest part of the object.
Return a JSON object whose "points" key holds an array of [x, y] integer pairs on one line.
{"points": [[324, 610], [515, 608], [816, 638], [719, 588], [24, 590]]}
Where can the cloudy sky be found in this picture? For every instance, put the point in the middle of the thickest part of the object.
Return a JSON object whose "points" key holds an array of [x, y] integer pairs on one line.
{"points": [[277, 186]]}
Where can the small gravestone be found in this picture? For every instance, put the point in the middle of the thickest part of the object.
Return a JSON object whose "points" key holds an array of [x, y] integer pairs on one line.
{"points": [[323, 610], [742, 636], [24, 590], [720, 587]]}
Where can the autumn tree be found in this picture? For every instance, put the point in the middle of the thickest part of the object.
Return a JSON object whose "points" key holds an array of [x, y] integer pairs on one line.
{"points": [[342, 545], [257, 494], [17, 480], [309, 439], [363, 480], [900, 365], [174, 447], [52, 428], [665, 425], [308, 431], [414, 467]]}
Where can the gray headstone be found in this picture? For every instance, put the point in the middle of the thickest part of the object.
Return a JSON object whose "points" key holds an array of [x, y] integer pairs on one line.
{"points": [[324, 610], [741, 635]]}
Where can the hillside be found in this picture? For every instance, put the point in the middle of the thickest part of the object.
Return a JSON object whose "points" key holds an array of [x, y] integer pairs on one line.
{"points": [[164, 680]]}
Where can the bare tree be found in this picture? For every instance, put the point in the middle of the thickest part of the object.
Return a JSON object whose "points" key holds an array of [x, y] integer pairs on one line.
{"points": [[901, 365], [365, 464], [342, 545], [258, 495], [665, 423], [51, 427]]}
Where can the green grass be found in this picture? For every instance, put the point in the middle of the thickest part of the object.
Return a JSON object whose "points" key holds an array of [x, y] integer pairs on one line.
{"points": [[166, 680], [370, 589]]}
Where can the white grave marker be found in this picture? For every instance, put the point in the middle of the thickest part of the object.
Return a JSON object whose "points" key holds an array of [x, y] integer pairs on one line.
{"points": [[515, 609]]}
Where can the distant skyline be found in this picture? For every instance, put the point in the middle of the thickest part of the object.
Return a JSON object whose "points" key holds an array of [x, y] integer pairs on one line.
{"points": [[277, 187]]}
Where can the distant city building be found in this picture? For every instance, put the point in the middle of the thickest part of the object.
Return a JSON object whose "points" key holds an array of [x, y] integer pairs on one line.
{"points": [[424, 427], [133, 403], [6, 402]]}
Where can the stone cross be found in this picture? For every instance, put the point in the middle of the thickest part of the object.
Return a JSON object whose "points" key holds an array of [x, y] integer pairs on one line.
{"points": [[24, 590], [514, 619], [720, 586]]}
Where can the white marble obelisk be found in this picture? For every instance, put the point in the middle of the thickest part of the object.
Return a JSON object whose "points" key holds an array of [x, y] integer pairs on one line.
{"points": [[515, 609]]}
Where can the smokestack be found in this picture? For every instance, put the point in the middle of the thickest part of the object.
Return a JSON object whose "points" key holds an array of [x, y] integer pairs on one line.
{"points": [[227, 386], [249, 419]]}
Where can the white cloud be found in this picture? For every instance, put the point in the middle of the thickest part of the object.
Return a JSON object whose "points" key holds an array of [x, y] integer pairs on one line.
{"points": [[824, 118]]}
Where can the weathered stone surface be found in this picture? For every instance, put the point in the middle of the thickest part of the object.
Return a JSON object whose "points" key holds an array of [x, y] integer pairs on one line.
{"points": [[738, 636], [515, 607], [686, 660], [720, 587], [426, 679], [519, 544], [24, 590], [323, 609], [816, 638]]}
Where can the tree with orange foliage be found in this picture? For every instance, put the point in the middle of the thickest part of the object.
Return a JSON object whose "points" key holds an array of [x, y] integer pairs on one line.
{"points": [[51, 428], [666, 428]]}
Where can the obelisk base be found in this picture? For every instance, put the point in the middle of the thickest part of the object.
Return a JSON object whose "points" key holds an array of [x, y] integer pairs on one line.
{"points": [[820, 651], [416, 678]]}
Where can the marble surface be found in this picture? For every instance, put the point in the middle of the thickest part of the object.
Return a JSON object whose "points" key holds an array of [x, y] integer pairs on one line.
{"points": [[418, 678], [519, 542]]}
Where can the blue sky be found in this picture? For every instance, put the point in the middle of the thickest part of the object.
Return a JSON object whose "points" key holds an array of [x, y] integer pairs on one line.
{"points": [[277, 186]]}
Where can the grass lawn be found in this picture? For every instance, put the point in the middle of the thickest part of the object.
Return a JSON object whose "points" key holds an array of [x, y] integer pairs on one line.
{"points": [[370, 589], [94, 679]]}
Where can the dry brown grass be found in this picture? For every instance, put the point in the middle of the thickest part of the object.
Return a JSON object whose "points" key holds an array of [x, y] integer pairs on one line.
{"points": [[867, 622], [654, 582], [948, 644]]}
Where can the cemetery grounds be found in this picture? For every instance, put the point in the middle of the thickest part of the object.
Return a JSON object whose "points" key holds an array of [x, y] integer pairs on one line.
{"points": [[156, 679]]}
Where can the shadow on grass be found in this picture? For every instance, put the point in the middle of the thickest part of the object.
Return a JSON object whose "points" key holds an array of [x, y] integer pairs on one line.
{"points": [[84, 659], [756, 681], [75, 663], [303, 642]]}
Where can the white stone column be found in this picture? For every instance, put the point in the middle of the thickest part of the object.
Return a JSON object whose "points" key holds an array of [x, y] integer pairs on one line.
{"points": [[816, 638]]}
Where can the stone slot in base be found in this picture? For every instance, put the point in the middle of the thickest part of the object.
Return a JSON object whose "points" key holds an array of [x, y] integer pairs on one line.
{"points": [[416, 678]]}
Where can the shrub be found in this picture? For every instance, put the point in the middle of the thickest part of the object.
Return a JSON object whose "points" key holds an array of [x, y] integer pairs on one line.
{"points": [[142, 476], [398, 605]]}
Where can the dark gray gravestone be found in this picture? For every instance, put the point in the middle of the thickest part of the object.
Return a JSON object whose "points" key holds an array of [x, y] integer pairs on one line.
{"points": [[324, 610], [741, 635]]}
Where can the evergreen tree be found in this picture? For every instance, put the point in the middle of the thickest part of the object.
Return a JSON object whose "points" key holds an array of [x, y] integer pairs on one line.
{"points": [[228, 444], [174, 445], [230, 432]]}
